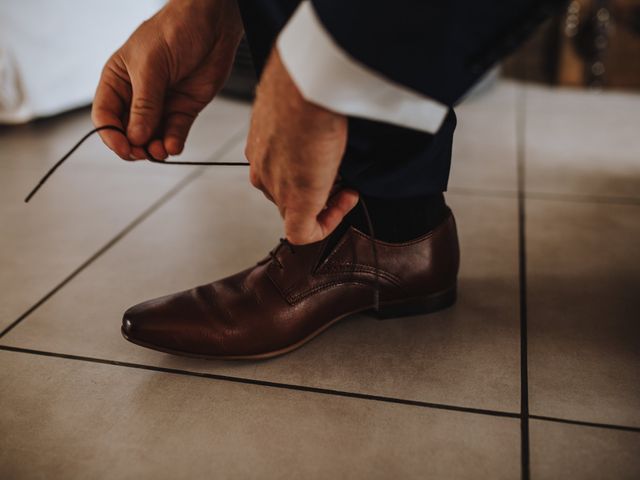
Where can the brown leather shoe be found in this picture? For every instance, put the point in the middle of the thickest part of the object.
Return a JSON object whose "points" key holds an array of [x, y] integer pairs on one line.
{"points": [[299, 291]]}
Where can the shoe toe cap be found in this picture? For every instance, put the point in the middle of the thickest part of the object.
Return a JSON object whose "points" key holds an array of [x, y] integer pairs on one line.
{"points": [[128, 323], [173, 323], [145, 322]]}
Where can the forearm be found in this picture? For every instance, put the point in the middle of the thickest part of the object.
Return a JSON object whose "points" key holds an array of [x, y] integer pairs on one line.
{"points": [[329, 75]]}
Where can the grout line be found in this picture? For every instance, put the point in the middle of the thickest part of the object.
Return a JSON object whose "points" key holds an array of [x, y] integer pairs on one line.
{"points": [[582, 198], [482, 192], [284, 386], [581, 423], [522, 262], [534, 195], [266, 383], [325, 391], [224, 149]]}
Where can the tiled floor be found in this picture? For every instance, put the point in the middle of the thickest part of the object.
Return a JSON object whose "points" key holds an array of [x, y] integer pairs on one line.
{"points": [[419, 397]]}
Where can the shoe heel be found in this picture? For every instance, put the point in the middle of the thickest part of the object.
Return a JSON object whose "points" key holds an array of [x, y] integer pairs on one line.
{"points": [[416, 306]]}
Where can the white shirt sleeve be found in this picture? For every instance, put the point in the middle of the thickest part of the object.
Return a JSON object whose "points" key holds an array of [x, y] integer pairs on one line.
{"points": [[327, 76]]}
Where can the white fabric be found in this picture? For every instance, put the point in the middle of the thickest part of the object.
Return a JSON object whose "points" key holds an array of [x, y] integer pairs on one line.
{"points": [[51, 53], [326, 75]]}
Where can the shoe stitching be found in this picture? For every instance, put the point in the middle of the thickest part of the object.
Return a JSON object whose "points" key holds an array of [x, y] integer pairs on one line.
{"points": [[360, 268], [292, 299]]}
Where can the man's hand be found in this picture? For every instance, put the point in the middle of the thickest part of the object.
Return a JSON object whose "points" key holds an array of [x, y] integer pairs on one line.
{"points": [[295, 148], [170, 68]]}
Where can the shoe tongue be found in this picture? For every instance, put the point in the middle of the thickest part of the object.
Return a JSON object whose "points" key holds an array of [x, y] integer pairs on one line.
{"points": [[331, 242], [300, 254], [296, 265]]}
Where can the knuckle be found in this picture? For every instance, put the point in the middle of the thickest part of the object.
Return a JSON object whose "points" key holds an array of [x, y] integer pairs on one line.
{"points": [[254, 178], [248, 152], [115, 70], [177, 33], [143, 105]]}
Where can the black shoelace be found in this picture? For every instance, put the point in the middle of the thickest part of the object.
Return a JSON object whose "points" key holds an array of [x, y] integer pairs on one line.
{"points": [[374, 250], [120, 130]]}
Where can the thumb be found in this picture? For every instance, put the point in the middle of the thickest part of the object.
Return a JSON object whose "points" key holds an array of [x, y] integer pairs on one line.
{"points": [[303, 227], [147, 101], [300, 227], [340, 203]]}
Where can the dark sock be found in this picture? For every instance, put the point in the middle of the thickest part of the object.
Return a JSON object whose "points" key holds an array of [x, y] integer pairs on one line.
{"points": [[400, 219], [396, 220]]}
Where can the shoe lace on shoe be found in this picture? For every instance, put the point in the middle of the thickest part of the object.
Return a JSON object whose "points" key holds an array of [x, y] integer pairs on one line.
{"points": [[272, 253]]}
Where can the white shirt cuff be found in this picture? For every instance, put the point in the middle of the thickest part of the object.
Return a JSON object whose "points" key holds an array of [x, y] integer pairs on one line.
{"points": [[327, 76]]}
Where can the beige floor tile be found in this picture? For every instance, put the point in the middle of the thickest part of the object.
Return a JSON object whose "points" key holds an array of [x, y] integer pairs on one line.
{"points": [[584, 285], [468, 355], [43, 242], [583, 453], [64, 419], [89, 200], [484, 147], [580, 142]]}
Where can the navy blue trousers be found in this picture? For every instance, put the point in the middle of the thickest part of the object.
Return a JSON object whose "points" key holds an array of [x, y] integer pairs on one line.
{"points": [[386, 161]]}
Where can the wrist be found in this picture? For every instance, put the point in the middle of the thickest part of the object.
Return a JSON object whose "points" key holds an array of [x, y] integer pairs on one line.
{"points": [[220, 16]]}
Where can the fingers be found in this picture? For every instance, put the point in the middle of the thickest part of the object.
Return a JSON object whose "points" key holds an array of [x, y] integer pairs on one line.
{"points": [[147, 101], [303, 227], [337, 208], [107, 109], [177, 126], [111, 107], [138, 153], [256, 182], [157, 150]]}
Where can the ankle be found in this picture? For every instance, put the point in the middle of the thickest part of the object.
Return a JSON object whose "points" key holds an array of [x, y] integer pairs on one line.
{"points": [[398, 220]]}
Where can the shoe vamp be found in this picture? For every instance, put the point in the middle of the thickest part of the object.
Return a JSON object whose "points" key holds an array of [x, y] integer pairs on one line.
{"points": [[244, 314], [247, 312]]}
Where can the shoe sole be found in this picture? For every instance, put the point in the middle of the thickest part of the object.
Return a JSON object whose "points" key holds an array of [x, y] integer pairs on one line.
{"points": [[415, 306]]}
